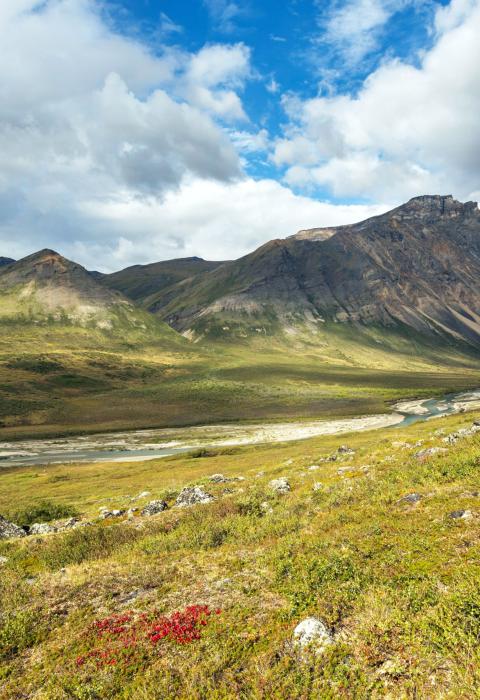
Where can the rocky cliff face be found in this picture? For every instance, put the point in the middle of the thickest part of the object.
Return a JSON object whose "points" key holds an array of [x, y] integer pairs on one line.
{"points": [[416, 266]]}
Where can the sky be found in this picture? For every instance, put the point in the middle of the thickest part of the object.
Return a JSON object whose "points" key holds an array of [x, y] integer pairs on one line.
{"points": [[133, 131]]}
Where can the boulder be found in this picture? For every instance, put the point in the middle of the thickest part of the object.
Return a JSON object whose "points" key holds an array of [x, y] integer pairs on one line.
{"points": [[192, 495], [154, 507], [345, 450], [41, 529], [9, 530], [312, 634], [3, 560], [280, 485]]}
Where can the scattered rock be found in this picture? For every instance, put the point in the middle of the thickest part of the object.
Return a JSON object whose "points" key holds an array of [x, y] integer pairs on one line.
{"points": [[311, 633], [345, 450], [430, 452], [411, 498], [317, 486], [41, 529], [144, 494], [313, 467], [3, 560], [460, 514], [219, 479], [154, 507], [192, 495], [112, 514], [401, 445], [280, 485], [266, 507], [343, 470], [9, 530], [260, 474]]}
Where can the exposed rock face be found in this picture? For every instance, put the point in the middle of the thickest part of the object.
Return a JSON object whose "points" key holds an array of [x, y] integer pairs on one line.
{"points": [[9, 530], [192, 495], [416, 266]]}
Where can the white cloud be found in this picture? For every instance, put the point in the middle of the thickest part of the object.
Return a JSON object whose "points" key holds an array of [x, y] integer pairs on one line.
{"points": [[213, 76], [409, 130], [209, 219]]}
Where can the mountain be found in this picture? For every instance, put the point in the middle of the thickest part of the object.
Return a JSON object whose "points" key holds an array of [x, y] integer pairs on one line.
{"points": [[145, 283], [47, 287], [416, 267], [6, 261]]}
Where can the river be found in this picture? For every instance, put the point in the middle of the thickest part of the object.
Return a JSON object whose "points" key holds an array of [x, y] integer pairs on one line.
{"points": [[150, 444]]}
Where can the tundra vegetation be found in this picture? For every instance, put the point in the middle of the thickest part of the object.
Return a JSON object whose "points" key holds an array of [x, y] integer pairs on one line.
{"points": [[379, 542]]}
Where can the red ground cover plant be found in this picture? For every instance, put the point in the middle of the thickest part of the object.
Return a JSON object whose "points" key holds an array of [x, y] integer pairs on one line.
{"points": [[127, 639]]}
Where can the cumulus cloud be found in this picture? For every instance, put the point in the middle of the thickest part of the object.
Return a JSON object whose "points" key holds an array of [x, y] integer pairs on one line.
{"points": [[409, 130], [210, 219], [86, 112]]}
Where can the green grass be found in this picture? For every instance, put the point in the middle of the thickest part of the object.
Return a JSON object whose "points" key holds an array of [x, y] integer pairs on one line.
{"points": [[397, 584], [58, 378]]}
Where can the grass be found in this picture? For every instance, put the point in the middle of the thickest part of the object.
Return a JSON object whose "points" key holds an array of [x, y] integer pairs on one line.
{"points": [[398, 584], [57, 379]]}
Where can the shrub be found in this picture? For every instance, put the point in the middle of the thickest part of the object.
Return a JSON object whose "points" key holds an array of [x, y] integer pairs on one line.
{"points": [[44, 511]]}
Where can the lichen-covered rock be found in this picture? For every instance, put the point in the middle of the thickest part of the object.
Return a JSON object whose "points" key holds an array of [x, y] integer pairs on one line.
{"points": [[9, 530], [41, 529], [280, 485], [154, 507], [192, 495], [312, 634], [219, 479]]}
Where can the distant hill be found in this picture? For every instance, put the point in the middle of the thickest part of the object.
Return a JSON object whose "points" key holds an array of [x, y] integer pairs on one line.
{"points": [[416, 267], [48, 287], [6, 261], [146, 283]]}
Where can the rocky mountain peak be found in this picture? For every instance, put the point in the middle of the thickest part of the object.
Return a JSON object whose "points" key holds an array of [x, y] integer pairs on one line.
{"points": [[434, 205]]}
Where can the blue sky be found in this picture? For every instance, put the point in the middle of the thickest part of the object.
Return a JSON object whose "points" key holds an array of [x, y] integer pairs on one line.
{"points": [[140, 130]]}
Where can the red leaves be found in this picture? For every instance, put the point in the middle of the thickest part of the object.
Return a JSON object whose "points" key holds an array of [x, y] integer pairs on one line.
{"points": [[126, 637], [181, 627]]}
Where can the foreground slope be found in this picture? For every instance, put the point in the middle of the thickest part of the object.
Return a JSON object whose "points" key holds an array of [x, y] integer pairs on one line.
{"points": [[416, 267], [381, 546]]}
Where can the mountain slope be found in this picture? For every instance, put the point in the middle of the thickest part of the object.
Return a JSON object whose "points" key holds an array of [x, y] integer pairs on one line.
{"points": [[143, 283], [6, 261], [46, 287], [415, 267]]}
